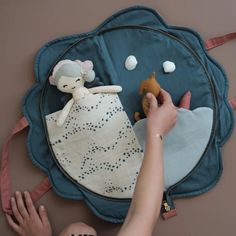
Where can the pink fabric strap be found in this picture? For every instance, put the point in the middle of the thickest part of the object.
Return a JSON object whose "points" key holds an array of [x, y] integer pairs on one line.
{"points": [[41, 189], [215, 42], [232, 102], [5, 182], [169, 214]]}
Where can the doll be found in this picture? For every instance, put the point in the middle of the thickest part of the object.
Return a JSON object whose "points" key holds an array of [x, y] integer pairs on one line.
{"points": [[69, 77]]}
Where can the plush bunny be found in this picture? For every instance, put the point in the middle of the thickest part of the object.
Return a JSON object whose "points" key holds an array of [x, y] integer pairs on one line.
{"points": [[70, 76], [149, 85]]}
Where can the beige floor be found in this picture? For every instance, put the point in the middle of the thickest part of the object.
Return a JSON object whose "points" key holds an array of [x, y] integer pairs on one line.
{"points": [[27, 25]]}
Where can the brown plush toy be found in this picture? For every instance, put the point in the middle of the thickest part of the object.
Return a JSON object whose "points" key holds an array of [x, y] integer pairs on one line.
{"points": [[149, 85]]}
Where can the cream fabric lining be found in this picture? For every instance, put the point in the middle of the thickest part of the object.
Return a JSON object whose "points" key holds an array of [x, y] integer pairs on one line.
{"points": [[97, 146]]}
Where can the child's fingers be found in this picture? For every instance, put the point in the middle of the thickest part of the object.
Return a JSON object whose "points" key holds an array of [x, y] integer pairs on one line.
{"points": [[43, 215], [21, 206], [12, 224], [29, 203], [15, 210]]}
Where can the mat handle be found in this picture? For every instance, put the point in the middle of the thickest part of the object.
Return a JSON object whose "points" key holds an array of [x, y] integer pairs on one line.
{"points": [[5, 180], [232, 103], [217, 41]]}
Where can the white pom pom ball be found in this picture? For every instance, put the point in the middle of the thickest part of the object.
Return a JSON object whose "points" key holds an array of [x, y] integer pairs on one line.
{"points": [[169, 66], [131, 62]]}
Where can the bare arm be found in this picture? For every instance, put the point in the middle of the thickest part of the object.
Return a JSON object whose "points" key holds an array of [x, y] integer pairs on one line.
{"points": [[145, 206]]}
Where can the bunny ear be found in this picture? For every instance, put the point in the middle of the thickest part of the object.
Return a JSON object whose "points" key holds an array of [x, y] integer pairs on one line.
{"points": [[52, 80]]}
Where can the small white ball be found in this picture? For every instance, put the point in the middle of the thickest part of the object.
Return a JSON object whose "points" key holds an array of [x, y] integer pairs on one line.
{"points": [[131, 62], [169, 66]]}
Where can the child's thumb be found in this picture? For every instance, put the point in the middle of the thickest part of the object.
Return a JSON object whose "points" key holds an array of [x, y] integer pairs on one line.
{"points": [[152, 101]]}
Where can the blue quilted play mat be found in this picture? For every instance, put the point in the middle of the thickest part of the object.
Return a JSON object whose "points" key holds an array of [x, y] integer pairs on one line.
{"points": [[141, 32]]}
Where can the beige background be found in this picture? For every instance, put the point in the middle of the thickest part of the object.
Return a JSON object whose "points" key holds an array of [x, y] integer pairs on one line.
{"points": [[26, 25]]}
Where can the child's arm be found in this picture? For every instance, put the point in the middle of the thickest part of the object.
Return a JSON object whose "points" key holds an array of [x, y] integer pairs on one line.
{"points": [[106, 89], [147, 198], [64, 113]]}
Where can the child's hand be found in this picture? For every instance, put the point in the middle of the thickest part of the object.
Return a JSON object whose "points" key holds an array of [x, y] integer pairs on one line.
{"points": [[161, 118], [30, 222]]}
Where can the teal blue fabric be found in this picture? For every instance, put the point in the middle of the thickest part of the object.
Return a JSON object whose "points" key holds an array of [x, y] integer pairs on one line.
{"points": [[141, 32]]}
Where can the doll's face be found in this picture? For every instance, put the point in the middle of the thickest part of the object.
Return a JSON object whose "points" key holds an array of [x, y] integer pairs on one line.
{"points": [[69, 84]]}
